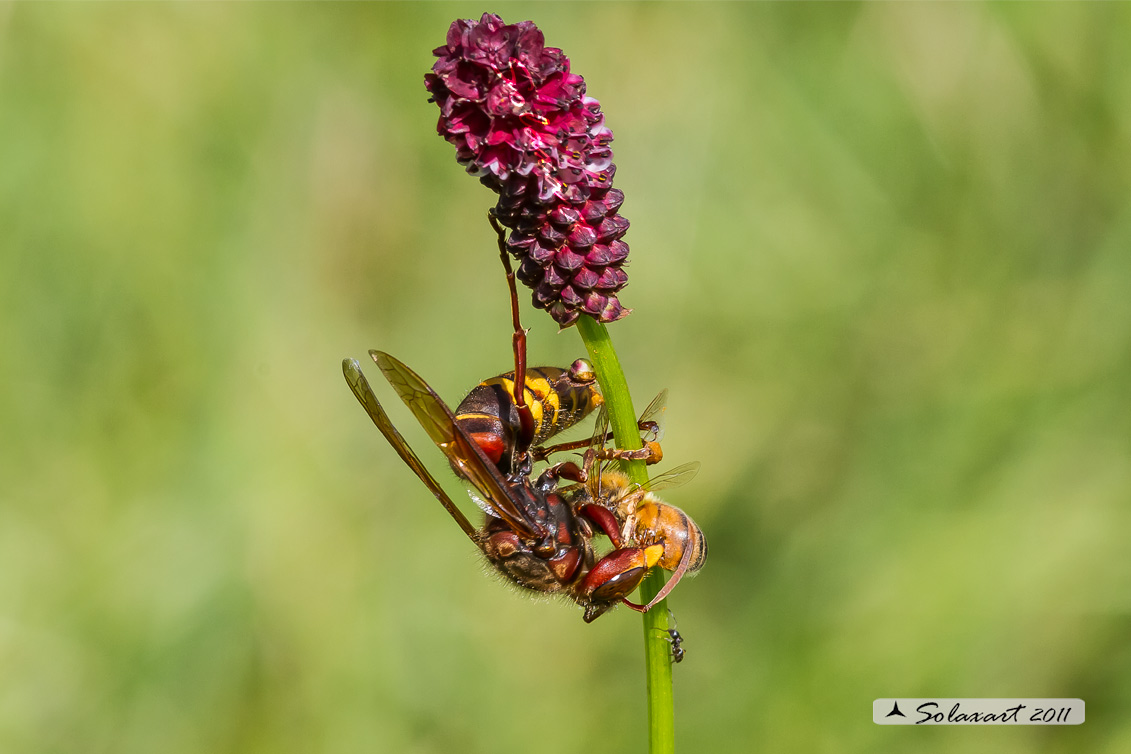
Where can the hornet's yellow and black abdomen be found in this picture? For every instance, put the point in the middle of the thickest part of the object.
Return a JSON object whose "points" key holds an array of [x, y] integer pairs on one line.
{"points": [[558, 399]]}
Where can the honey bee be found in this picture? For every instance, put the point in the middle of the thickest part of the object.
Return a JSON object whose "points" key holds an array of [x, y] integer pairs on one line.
{"points": [[643, 528]]}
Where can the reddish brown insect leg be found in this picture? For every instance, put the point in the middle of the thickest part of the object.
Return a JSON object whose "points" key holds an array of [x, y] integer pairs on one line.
{"points": [[518, 340], [651, 452], [604, 519], [567, 470], [617, 574], [677, 574]]}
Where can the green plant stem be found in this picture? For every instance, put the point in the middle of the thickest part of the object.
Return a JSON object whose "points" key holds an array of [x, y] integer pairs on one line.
{"points": [[622, 417]]}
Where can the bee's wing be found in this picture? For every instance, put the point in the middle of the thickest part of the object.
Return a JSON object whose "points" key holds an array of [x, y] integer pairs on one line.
{"points": [[651, 421], [440, 424], [651, 430], [600, 430], [360, 387], [680, 475], [595, 468]]}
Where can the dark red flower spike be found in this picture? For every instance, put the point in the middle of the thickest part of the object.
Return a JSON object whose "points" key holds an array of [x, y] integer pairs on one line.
{"points": [[522, 124]]}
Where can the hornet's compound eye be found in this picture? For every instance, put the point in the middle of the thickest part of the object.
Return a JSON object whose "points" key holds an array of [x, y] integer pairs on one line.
{"points": [[582, 371]]}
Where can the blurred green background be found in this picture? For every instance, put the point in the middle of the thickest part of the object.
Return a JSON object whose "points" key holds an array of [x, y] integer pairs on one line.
{"points": [[880, 256]]}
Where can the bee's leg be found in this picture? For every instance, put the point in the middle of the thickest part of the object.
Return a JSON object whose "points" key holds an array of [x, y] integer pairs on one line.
{"points": [[651, 453]]}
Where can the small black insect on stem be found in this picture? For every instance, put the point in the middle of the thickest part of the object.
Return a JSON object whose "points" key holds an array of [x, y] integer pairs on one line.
{"points": [[674, 638]]}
